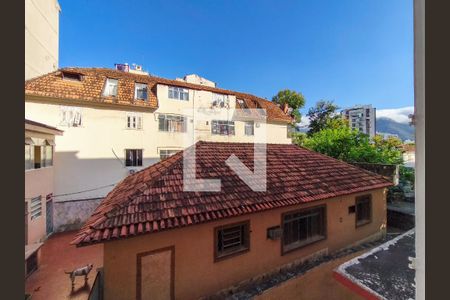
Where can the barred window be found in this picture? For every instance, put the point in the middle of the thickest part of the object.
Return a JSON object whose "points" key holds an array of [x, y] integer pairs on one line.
{"points": [[172, 123], [222, 127], [36, 207], [178, 93], [303, 227], [363, 210], [232, 239]]}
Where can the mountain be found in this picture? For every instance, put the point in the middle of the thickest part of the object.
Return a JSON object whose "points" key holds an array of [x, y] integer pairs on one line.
{"points": [[403, 130]]}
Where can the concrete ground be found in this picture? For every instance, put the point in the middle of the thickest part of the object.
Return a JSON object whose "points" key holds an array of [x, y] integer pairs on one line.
{"points": [[316, 284], [57, 255]]}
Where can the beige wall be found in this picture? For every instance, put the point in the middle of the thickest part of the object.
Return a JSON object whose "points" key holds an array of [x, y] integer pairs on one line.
{"points": [[38, 182], [41, 37], [84, 157], [196, 273]]}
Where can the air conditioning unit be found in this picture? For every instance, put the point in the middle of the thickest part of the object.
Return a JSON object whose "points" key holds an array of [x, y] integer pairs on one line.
{"points": [[274, 233]]}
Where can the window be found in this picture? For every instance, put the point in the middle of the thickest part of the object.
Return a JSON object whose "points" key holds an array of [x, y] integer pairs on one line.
{"points": [[134, 121], [133, 157], [222, 127], [36, 207], [178, 93], [172, 123], [32, 263], [231, 240], [363, 210], [220, 100], [29, 157], [303, 227], [70, 76], [140, 91], [165, 153], [47, 157], [70, 116], [249, 128], [242, 103], [110, 87]]}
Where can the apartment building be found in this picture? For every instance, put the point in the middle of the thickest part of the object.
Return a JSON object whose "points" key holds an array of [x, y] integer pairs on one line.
{"points": [[362, 118], [118, 121], [41, 37]]}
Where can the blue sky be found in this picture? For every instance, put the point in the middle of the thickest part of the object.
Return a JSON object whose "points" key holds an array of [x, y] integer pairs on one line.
{"points": [[352, 52]]}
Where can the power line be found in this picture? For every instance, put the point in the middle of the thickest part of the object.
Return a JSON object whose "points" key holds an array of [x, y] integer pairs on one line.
{"points": [[79, 192]]}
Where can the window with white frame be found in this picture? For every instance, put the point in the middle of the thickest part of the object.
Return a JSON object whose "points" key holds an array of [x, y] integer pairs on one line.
{"points": [[222, 127], [134, 121], [172, 123], [133, 157], [36, 207], [140, 91], [250, 128], [165, 153], [178, 93], [70, 116], [110, 89], [220, 100]]}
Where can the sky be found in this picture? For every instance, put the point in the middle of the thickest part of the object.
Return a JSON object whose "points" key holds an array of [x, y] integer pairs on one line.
{"points": [[350, 52]]}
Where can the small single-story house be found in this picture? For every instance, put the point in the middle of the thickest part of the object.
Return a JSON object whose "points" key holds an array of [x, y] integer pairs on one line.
{"points": [[161, 242], [39, 149]]}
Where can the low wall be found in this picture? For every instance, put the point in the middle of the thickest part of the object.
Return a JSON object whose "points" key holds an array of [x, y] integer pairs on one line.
{"points": [[71, 215], [391, 172]]}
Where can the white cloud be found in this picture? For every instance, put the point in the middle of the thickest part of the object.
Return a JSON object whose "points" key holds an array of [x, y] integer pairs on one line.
{"points": [[304, 123], [397, 114]]}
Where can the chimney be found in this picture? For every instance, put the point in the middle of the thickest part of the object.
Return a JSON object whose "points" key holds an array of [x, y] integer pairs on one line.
{"points": [[285, 108]]}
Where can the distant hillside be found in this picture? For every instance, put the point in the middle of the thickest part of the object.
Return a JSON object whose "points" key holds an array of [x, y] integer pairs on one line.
{"points": [[404, 131]]}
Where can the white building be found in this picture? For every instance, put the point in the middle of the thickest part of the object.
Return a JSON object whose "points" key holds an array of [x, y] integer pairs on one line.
{"points": [[117, 122], [41, 37], [361, 118]]}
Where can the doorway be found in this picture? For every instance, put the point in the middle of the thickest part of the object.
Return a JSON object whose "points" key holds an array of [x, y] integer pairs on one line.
{"points": [[155, 274]]}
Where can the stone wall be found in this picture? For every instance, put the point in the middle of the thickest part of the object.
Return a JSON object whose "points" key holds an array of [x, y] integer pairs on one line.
{"points": [[71, 215]]}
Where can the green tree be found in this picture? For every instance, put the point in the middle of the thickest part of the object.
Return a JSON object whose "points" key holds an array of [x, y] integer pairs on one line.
{"points": [[299, 138], [294, 99], [353, 146], [323, 115]]}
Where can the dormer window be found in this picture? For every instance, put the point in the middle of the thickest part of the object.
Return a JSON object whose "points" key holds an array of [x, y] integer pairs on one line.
{"points": [[110, 89], [242, 103], [140, 91], [71, 76]]}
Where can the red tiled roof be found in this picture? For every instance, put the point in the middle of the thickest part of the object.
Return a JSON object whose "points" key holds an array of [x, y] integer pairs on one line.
{"points": [[91, 86], [153, 199]]}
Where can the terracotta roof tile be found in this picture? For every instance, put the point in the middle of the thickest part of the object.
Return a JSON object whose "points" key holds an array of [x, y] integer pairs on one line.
{"points": [[145, 200], [90, 89]]}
